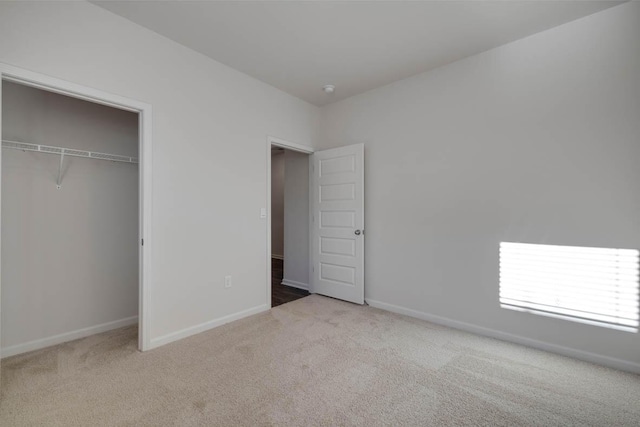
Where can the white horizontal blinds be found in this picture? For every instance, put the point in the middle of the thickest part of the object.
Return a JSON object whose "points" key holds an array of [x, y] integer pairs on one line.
{"points": [[593, 285]]}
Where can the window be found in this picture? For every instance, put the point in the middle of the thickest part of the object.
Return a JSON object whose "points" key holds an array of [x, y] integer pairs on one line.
{"points": [[590, 285]]}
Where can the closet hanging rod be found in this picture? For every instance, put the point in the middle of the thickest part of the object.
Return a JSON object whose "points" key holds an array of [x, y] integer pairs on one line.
{"points": [[17, 145]]}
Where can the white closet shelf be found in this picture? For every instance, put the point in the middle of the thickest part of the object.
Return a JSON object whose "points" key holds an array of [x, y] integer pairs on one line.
{"points": [[17, 145], [48, 149]]}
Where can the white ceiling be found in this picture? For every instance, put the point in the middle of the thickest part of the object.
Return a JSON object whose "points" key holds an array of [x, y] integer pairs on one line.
{"points": [[356, 45]]}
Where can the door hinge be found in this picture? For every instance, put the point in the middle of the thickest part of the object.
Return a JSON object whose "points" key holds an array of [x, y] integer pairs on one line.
{"points": [[142, 242]]}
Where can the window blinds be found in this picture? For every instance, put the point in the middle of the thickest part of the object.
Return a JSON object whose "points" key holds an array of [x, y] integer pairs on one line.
{"points": [[590, 285]]}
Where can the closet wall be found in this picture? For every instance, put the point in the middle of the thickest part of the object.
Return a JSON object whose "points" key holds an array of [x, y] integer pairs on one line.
{"points": [[69, 256]]}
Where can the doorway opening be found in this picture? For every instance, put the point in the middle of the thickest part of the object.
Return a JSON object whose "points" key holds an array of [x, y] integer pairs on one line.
{"points": [[288, 223], [329, 239], [75, 207]]}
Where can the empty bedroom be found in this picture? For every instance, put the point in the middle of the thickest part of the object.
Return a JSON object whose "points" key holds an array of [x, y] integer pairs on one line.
{"points": [[313, 213]]}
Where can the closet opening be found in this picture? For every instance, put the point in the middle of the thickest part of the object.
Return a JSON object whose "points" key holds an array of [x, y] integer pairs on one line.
{"points": [[70, 219], [289, 223]]}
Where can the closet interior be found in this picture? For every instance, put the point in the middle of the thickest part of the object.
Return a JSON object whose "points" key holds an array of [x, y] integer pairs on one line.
{"points": [[70, 254]]}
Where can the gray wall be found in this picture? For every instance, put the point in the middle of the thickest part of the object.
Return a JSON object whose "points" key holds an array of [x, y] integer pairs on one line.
{"points": [[210, 124], [277, 203], [296, 218], [535, 141], [69, 256]]}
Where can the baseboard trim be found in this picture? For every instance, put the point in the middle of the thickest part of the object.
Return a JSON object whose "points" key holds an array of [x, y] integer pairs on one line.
{"points": [[599, 359], [281, 257], [67, 336], [202, 327], [295, 284]]}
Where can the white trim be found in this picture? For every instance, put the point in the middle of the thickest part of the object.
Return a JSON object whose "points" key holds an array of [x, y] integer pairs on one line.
{"points": [[0, 212], [311, 267], [276, 256], [52, 84], [145, 183], [67, 336], [193, 330], [599, 359], [278, 142], [295, 284]]}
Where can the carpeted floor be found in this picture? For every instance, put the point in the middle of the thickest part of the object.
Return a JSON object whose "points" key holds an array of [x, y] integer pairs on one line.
{"points": [[315, 361]]}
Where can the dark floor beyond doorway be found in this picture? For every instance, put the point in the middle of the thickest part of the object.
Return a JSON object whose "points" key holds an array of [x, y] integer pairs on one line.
{"points": [[281, 294]]}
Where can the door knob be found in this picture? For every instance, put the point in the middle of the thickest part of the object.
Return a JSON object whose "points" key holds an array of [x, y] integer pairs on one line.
{"points": [[357, 232]]}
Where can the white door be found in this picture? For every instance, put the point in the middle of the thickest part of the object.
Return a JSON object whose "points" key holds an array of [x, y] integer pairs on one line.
{"points": [[337, 223], [0, 198]]}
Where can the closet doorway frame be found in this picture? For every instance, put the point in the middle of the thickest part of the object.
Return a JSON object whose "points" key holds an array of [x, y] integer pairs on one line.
{"points": [[51, 84], [287, 145]]}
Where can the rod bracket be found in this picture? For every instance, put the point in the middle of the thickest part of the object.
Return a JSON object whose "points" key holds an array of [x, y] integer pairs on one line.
{"points": [[59, 181]]}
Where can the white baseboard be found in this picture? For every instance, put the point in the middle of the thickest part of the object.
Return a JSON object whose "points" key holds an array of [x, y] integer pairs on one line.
{"points": [[599, 359], [67, 336], [193, 330], [295, 284], [277, 256]]}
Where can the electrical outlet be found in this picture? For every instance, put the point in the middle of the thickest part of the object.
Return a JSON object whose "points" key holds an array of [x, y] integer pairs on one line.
{"points": [[227, 281]]}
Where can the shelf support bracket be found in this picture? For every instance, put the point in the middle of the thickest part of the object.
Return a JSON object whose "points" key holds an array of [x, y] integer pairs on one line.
{"points": [[59, 182]]}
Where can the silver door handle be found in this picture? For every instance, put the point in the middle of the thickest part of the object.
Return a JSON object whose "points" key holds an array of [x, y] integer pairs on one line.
{"points": [[357, 232]]}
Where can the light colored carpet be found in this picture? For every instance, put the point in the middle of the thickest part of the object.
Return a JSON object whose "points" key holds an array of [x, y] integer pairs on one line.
{"points": [[315, 361]]}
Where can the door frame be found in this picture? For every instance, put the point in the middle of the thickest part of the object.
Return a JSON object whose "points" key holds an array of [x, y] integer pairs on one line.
{"points": [[51, 84], [287, 145]]}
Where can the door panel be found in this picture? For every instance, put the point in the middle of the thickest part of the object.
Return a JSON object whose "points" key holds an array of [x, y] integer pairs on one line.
{"points": [[0, 211], [337, 223]]}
